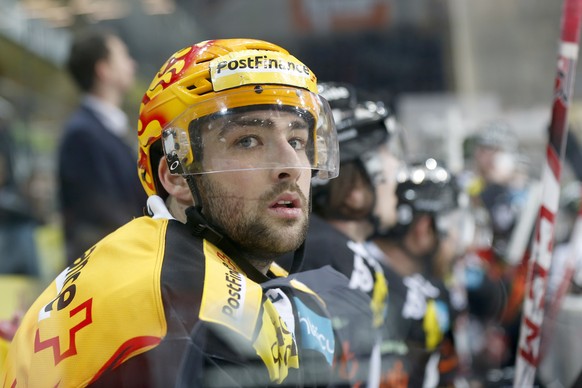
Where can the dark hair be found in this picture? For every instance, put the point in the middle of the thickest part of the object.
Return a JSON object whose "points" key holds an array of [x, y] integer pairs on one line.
{"points": [[88, 48], [156, 155], [328, 199]]}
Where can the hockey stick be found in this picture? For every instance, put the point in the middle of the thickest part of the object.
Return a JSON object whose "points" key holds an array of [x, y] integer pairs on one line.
{"points": [[554, 304], [528, 351]]}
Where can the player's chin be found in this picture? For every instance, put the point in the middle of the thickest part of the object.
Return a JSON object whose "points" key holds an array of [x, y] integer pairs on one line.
{"points": [[287, 246], [287, 238]]}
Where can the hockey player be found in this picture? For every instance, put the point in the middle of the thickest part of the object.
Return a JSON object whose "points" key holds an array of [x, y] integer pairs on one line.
{"points": [[348, 209], [230, 133], [418, 345]]}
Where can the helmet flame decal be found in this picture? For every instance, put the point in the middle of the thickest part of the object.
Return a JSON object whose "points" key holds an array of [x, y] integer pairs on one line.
{"points": [[171, 71]]}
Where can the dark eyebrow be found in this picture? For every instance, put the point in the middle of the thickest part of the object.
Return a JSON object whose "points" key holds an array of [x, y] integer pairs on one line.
{"points": [[242, 121], [298, 123], [265, 123]]}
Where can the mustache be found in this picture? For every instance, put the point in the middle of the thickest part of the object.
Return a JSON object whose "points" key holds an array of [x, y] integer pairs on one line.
{"points": [[282, 188], [212, 192]]}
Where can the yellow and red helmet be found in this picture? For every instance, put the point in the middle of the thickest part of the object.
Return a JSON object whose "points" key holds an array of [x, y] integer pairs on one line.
{"points": [[214, 80]]}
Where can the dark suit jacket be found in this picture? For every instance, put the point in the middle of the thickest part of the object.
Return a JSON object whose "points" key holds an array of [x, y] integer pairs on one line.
{"points": [[99, 189]]}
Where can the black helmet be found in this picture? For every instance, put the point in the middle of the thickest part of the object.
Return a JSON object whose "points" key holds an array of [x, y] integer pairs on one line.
{"points": [[361, 125], [362, 128], [426, 187]]}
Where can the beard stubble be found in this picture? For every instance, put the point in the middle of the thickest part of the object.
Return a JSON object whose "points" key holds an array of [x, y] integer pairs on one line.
{"points": [[245, 222]]}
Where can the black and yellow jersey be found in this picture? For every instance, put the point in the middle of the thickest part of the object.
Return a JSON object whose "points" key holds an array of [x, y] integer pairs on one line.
{"points": [[325, 245], [418, 328], [152, 306], [417, 340], [359, 312]]}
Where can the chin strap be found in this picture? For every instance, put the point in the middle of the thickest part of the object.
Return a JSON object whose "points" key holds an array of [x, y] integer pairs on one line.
{"points": [[299, 254], [298, 257], [200, 227]]}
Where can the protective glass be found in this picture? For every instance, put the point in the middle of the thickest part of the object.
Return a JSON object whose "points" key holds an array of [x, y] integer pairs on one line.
{"points": [[383, 166], [398, 143], [262, 128], [459, 224], [483, 235]]}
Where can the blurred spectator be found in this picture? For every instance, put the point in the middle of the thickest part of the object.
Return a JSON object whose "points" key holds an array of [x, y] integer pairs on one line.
{"points": [[99, 190], [18, 252]]}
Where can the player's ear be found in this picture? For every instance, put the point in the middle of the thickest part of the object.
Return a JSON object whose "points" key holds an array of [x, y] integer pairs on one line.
{"points": [[175, 185]]}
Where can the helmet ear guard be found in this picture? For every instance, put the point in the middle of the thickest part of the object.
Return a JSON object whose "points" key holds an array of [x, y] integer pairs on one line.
{"points": [[176, 146], [405, 214]]}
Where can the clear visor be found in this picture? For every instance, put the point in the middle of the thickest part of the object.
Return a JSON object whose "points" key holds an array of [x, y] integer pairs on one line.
{"points": [[482, 236], [383, 166], [397, 143], [458, 225], [254, 129], [469, 226]]}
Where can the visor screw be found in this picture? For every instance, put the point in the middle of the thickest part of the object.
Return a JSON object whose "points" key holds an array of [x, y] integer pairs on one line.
{"points": [[258, 89]]}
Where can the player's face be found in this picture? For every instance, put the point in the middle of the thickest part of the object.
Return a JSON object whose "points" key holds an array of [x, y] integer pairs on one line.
{"points": [[386, 190], [263, 210]]}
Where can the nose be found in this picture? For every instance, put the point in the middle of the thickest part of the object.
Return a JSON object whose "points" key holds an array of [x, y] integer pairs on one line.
{"points": [[287, 165]]}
